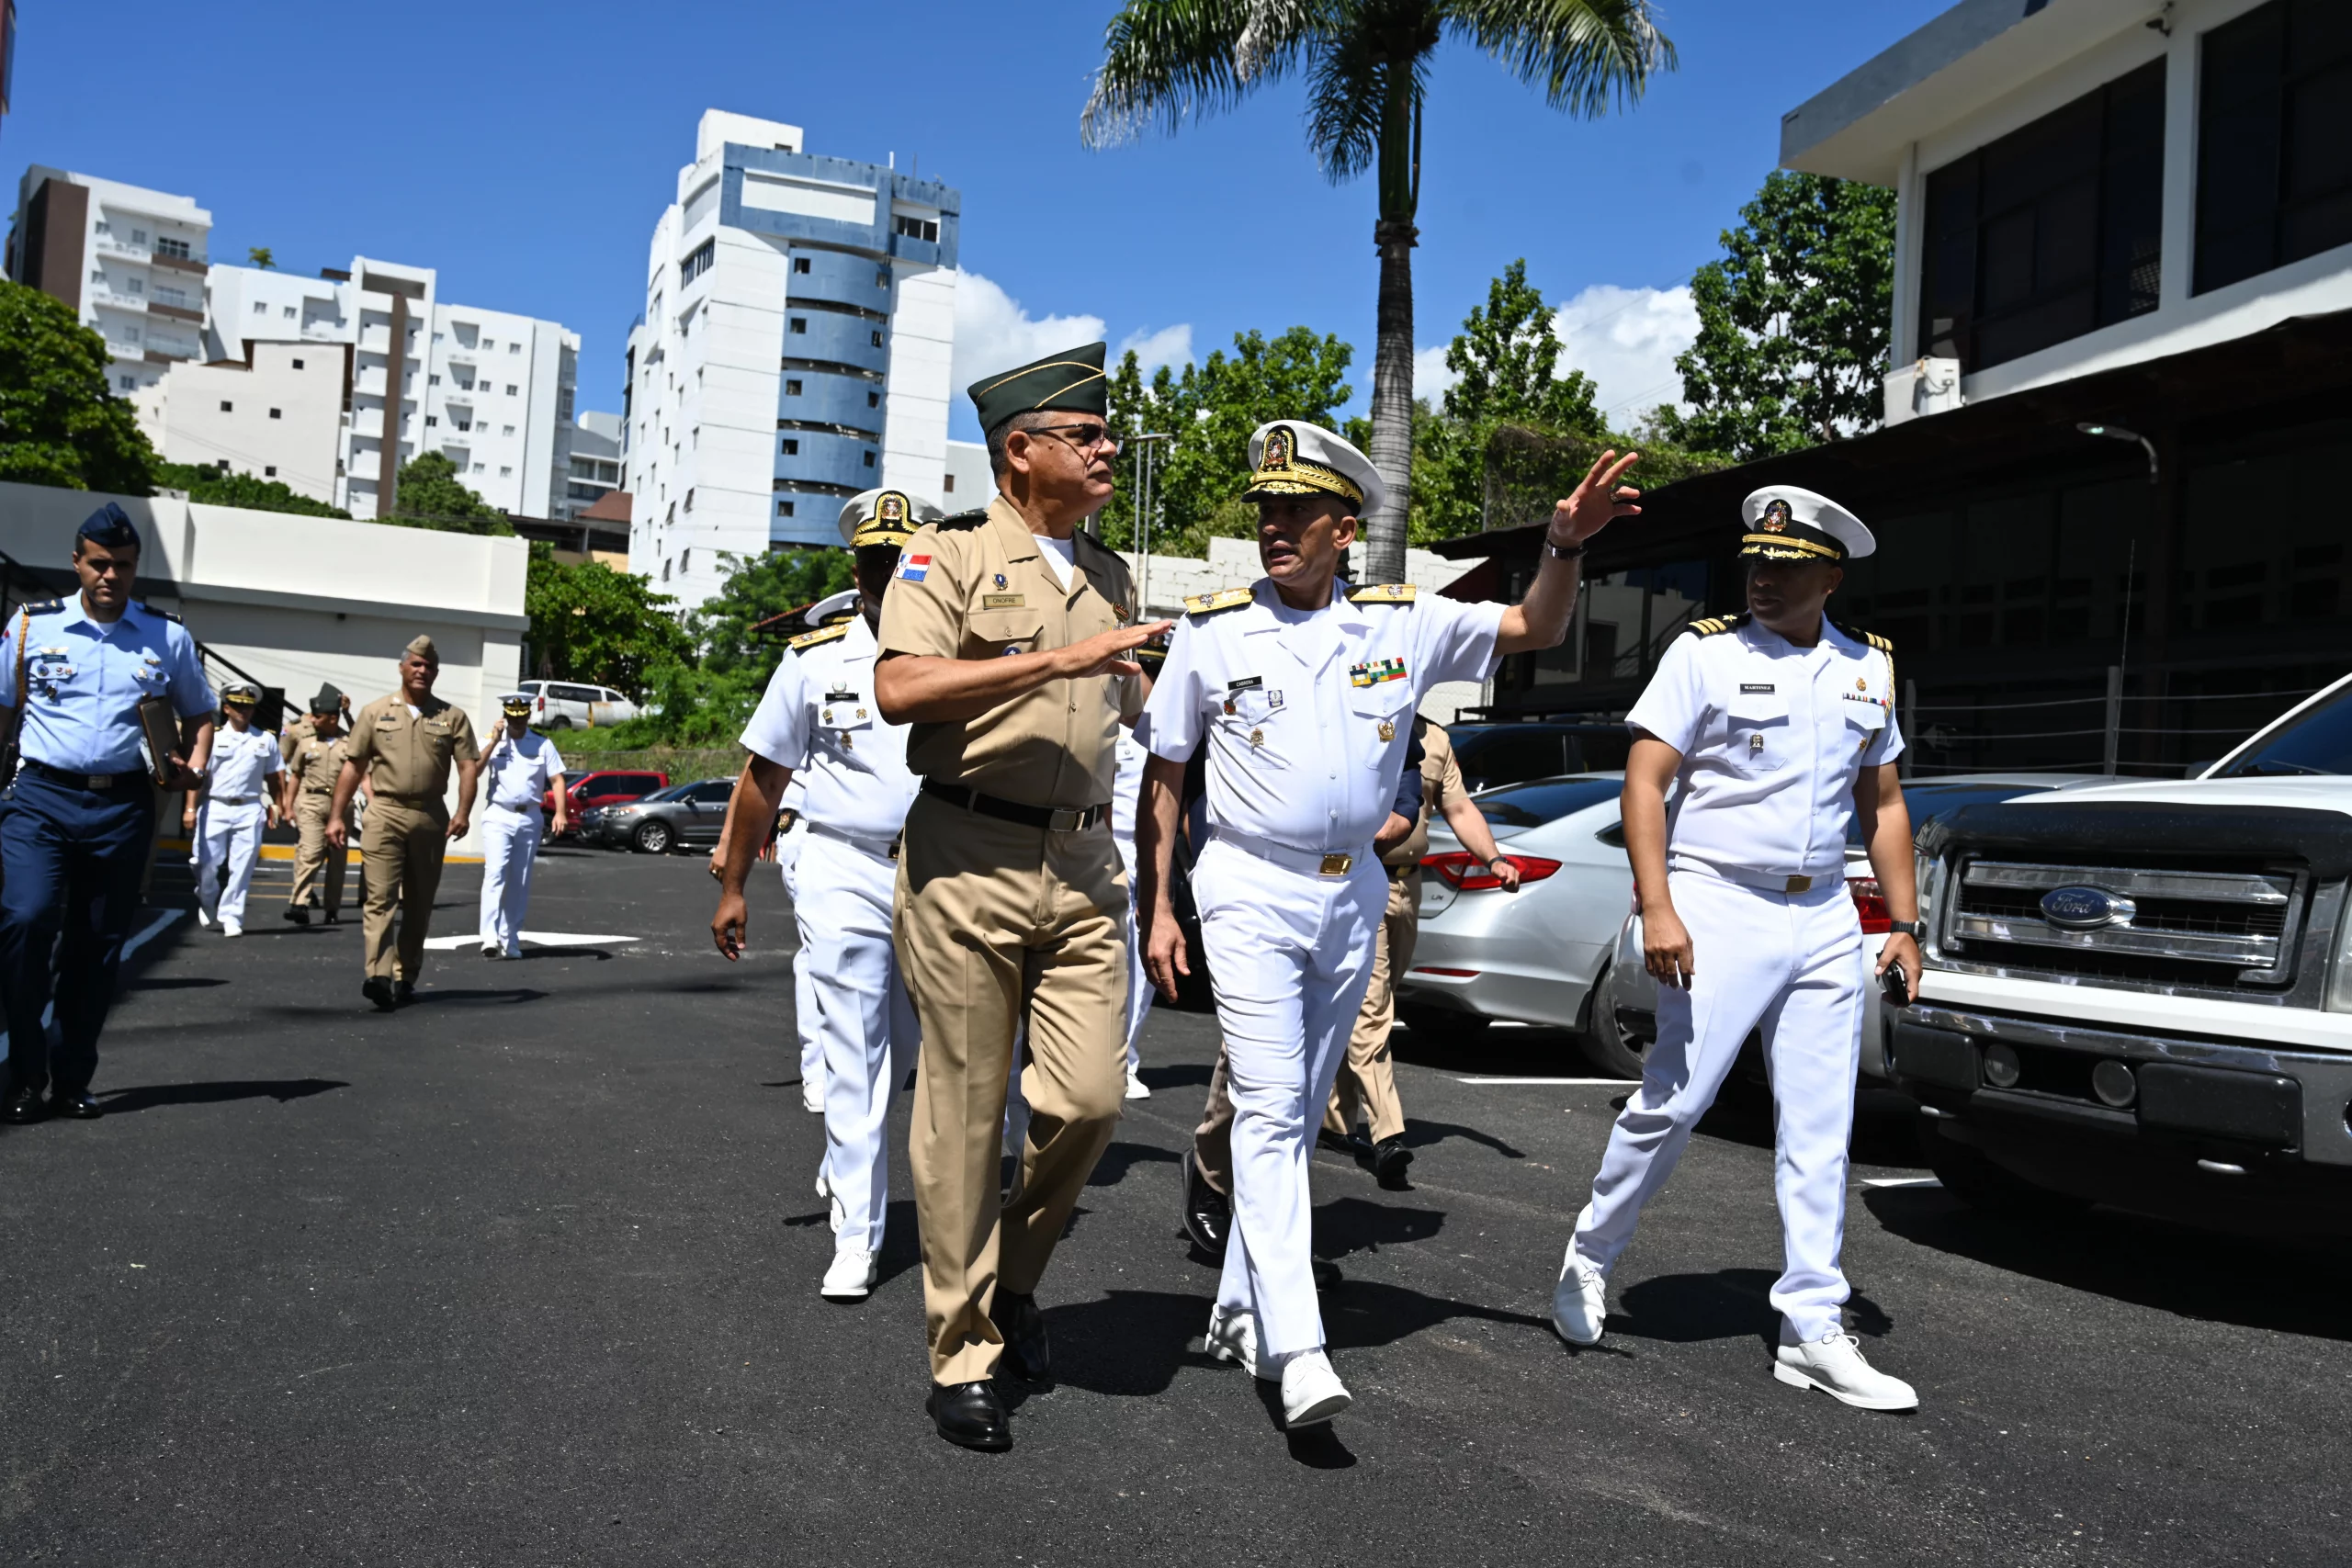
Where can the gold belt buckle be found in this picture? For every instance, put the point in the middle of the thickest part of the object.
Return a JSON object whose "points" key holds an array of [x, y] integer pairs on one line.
{"points": [[1337, 866], [1799, 884]]}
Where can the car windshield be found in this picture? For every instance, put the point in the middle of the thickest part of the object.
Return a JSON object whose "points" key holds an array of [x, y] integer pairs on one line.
{"points": [[1929, 801], [2318, 741], [1545, 800]]}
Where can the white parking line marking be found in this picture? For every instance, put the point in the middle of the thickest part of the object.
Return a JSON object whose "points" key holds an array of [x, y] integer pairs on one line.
{"points": [[1611, 1083], [537, 939], [1901, 1181]]}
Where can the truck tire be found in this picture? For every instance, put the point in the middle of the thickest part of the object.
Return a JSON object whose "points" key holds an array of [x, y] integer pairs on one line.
{"points": [[655, 839], [1983, 1185], [1604, 1043]]}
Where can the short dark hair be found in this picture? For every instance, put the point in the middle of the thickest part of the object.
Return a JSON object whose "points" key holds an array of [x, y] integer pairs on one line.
{"points": [[1027, 419]]}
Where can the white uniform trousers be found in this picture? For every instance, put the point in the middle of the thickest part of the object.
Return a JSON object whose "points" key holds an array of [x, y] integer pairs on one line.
{"points": [[1290, 954], [228, 841], [863, 1018], [1791, 962], [1138, 982], [804, 1006], [510, 841]]}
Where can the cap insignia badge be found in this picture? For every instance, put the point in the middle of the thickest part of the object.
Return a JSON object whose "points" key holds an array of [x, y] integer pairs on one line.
{"points": [[1777, 516], [892, 508], [1278, 447]]}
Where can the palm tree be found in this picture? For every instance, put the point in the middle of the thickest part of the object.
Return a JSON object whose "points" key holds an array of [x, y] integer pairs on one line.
{"points": [[1367, 64]]}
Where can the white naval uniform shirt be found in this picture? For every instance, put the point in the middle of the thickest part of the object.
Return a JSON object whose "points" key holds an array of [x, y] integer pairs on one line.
{"points": [[518, 770], [819, 718], [1773, 736], [1307, 713], [240, 763]]}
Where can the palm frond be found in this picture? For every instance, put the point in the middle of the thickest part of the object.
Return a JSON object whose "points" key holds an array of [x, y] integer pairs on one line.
{"points": [[1585, 54], [1277, 30], [1347, 93], [1166, 61]]}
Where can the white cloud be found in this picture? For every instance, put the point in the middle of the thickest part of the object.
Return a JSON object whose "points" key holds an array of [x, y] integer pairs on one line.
{"points": [[993, 333], [1169, 346], [1625, 339]]}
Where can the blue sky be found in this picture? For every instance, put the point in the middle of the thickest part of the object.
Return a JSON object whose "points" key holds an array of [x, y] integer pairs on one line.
{"points": [[525, 149]]}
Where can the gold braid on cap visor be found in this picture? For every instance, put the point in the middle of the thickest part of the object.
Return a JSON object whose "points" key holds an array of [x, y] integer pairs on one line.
{"points": [[1781, 547], [1298, 478]]}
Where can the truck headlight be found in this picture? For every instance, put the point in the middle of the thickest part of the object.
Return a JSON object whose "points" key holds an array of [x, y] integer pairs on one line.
{"points": [[2339, 977]]}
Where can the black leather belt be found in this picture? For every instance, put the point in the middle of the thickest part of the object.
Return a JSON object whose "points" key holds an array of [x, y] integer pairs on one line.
{"points": [[98, 784], [1053, 819]]}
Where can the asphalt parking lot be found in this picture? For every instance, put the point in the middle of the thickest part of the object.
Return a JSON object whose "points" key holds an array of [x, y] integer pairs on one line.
{"points": [[527, 1274]]}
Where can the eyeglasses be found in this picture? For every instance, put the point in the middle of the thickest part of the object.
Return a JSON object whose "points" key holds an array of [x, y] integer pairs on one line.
{"points": [[1084, 438]]}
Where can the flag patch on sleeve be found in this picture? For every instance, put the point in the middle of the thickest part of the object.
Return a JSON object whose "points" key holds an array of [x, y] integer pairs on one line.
{"points": [[912, 567]]}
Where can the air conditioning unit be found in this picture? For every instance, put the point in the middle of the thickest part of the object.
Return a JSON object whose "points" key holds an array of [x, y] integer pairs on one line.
{"points": [[1928, 386]]}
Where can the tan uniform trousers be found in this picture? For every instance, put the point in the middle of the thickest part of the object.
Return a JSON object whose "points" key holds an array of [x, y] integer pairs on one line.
{"points": [[996, 922], [313, 811], [400, 845], [1367, 1080]]}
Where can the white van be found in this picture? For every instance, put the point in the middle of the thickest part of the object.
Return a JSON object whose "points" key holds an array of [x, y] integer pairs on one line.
{"points": [[560, 704]]}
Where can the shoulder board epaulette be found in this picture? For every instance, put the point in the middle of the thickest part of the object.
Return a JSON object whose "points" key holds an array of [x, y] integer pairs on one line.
{"points": [[962, 522], [1382, 593], [822, 634], [1868, 640], [160, 615], [44, 606], [1211, 603], [1714, 625]]}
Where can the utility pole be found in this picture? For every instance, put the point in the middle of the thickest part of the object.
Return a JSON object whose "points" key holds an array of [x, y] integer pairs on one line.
{"points": [[1151, 459]]}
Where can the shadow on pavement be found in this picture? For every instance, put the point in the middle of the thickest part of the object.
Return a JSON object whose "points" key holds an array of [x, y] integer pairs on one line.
{"points": [[1364, 1313], [1121, 1157], [1730, 1304], [519, 994], [148, 1096], [1355, 1224], [2219, 1278], [1130, 1343], [1421, 1134], [174, 983], [1189, 1075]]}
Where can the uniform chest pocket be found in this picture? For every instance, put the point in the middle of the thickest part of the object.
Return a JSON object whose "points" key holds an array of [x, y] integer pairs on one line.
{"points": [[1252, 704], [1379, 715], [1759, 733], [1864, 721], [992, 634]]}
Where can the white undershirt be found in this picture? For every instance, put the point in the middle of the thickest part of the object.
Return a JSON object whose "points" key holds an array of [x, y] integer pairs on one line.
{"points": [[1062, 555]]}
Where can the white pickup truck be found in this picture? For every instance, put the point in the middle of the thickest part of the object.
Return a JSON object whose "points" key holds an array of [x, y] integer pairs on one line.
{"points": [[2141, 994]]}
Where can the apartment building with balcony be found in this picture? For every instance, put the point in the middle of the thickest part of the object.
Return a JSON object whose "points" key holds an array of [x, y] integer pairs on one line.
{"points": [[595, 468], [795, 349], [129, 262]]}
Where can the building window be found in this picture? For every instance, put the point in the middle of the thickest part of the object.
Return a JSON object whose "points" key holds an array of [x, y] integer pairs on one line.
{"points": [[2049, 232], [139, 236], [687, 559], [260, 307], [2274, 131], [882, 277], [784, 508], [507, 473], [288, 312], [698, 261], [792, 388], [510, 388], [228, 407], [514, 348], [298, 365], [431, 420], [167, 246], [874, 400], [128, 383], [433, 380], [506, 430], [916, 227], [270, 472], [800, 323], [870, 459], [665, 571], [800, 263], [791, 449], [690, 499], [275, 414]]}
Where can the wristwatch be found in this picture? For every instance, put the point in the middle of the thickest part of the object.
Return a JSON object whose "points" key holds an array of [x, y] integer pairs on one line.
{"points": [[1561, 552], [1907, 927]]}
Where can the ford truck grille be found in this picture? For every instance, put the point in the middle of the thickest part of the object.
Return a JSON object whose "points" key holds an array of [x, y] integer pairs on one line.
{"points": [[2204, 927]]}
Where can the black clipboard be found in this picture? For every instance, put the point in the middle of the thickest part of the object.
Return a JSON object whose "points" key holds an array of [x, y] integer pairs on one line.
{"points": [[159, 737]]}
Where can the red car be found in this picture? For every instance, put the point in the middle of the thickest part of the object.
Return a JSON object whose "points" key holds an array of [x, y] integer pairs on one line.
{"points": [[602, 787]]}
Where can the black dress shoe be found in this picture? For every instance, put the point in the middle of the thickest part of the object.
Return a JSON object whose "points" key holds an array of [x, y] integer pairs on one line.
{"points": [[298, 914], [970, 1416], [334, 919], [79, 1104], [377, 990], [24, 1107], [403, 992], [1027, 1353], [1326, 1273], [1338, 1142], [1389, 1158], [1208, 1215]]}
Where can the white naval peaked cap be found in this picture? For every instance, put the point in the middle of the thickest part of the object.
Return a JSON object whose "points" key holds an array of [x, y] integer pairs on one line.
{"points": [[884, 516], [831, 607], [1290, 457], [1785, 523]]}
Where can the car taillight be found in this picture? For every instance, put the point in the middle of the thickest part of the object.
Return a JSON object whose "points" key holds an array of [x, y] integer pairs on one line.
{"points": [[1467, 874], [1870, 903]]}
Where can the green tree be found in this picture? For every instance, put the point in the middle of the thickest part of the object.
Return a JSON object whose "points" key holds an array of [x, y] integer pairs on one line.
{"points": [[1209, 410], [60, 423], [220, 487], [1792, 322], [591, 623], [430, 495], [704, 699], [1367, 65], [259, 256]]}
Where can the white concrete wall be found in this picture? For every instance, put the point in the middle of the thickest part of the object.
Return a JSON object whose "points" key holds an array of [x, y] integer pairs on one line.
{"points": [[295, 601], [968, 467], [281, 419], [922, 353]]}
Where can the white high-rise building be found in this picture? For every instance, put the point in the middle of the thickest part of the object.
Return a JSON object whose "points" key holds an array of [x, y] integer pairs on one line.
{"points": [[128, 261], [490, 389], [795, 349]]}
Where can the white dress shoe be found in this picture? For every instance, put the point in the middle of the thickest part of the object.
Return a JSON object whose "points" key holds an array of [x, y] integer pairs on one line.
{"points": [[1834, 1364], [1233, 1338], [1312, 1392], [203, 920], [852, 1275], [1579, 1304], [813, 1095], [230, 928], [1136, 1088]]}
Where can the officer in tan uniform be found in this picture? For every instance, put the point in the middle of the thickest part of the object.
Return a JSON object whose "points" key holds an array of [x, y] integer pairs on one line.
{"points": [[313, 752], [404, 744], [1006, 644]]}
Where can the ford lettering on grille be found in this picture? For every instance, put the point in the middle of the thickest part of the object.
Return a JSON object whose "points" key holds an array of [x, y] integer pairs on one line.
{"points": [[2079, 908]]}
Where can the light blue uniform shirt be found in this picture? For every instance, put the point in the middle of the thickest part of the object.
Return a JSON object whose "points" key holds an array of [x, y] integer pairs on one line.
{"points": [[84, 681]]}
